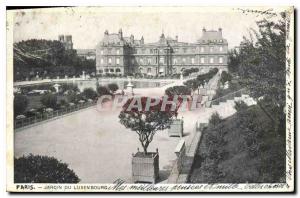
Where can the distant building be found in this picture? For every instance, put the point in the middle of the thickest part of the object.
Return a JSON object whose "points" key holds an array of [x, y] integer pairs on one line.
{"points": [[87, 53], [66, 40], [126, 55]]}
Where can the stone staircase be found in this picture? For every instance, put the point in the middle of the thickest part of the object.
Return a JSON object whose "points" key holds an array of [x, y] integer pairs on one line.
{"points": [[224, 109]]}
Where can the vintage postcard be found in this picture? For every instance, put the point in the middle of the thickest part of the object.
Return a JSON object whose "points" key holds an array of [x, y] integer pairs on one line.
{"points": [[150, 99]]}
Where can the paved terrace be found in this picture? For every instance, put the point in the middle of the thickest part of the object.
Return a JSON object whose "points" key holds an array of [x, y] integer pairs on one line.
{"points": [[96, 146]]}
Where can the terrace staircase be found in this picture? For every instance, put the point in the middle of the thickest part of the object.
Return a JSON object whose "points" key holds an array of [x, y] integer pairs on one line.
{"points": [[224, 106]]}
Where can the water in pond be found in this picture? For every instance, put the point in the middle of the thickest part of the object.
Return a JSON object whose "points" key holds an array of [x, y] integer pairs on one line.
{"points": [[121, 84]]}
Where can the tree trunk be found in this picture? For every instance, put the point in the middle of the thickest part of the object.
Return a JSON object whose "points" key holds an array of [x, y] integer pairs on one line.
{"points": [[145, 150]]}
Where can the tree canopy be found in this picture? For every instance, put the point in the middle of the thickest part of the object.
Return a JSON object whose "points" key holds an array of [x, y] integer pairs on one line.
{"points": [[20, 104], [178, 90], [260, 63], [47, 58], [146, 122], [42, 169]]}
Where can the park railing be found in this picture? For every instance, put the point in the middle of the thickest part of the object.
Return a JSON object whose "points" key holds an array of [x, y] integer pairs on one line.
{"points": [[20, 123], [229, 96]]}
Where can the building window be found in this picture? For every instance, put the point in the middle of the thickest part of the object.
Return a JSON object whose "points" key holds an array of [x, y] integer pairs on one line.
{"points": [[162, 60], [149, 61], [202, 60], [143, 51], [155, 60], [211, 60], [106, 70], [220, 59], [100, 71], [151, 51], [149, 70], [117, 61], [109, 61], [118, 51], [183, 60], [176, 50], [111, 70], [109, 51], [184, 50], [101, 61], [193, 60], [118, 70], [175, 61], [221, 48], [202, 49], [141, 61], [132, 61], [211, 49], [221, 41], [101, 52]]}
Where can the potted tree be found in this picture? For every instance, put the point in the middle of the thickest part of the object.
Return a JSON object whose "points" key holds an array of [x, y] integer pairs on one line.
{"points": [[146, 122]]}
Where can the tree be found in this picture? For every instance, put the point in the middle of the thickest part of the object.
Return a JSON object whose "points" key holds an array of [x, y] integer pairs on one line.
{"points": [[69, 87], [72, 97], [103, 91], [262, 67], [42, 169], [215, 119], [240, 106], [49, 100], [146, 122], [20, 104], [225, 77], [113, 87], [89, 93], [178, 90]]}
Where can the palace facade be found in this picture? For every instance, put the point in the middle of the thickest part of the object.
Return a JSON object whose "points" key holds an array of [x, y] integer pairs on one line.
{"points": [[126, 55]]}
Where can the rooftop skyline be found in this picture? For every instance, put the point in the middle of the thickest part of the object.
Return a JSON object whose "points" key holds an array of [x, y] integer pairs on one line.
{"points": [[87, 25]]}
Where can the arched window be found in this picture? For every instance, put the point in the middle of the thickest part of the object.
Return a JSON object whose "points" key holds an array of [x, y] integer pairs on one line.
{"points": [[118, 70]]}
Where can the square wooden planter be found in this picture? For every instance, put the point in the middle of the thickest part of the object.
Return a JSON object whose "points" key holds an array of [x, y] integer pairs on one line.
{"points": [[176, 128], [145, 168]]}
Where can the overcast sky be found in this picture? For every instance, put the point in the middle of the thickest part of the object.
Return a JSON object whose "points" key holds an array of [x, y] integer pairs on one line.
{"points": [[87, 25]]}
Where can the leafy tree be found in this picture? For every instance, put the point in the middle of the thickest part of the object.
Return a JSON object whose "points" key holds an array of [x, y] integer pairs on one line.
{"points": [[113, 87], [49, 100], [103, 91], [240, 106], [178, 90], [89, 93], [42, 169], [233, 61], [49, 59], [146, 122], [225, 77], [262, 66], [201, 79], [72, 97], [215, 119], [69, 87], [20, 104]]}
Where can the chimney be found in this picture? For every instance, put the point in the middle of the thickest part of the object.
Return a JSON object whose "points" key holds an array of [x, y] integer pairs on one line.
{"points": [[131, 38], [203, 30], [220, 30], [106, 32], [61, 38], [120, 34], [142, 40], [176, 38]]}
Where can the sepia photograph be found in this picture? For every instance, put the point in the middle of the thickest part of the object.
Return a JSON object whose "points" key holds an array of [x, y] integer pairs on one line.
{"points": [[150, 99]]}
